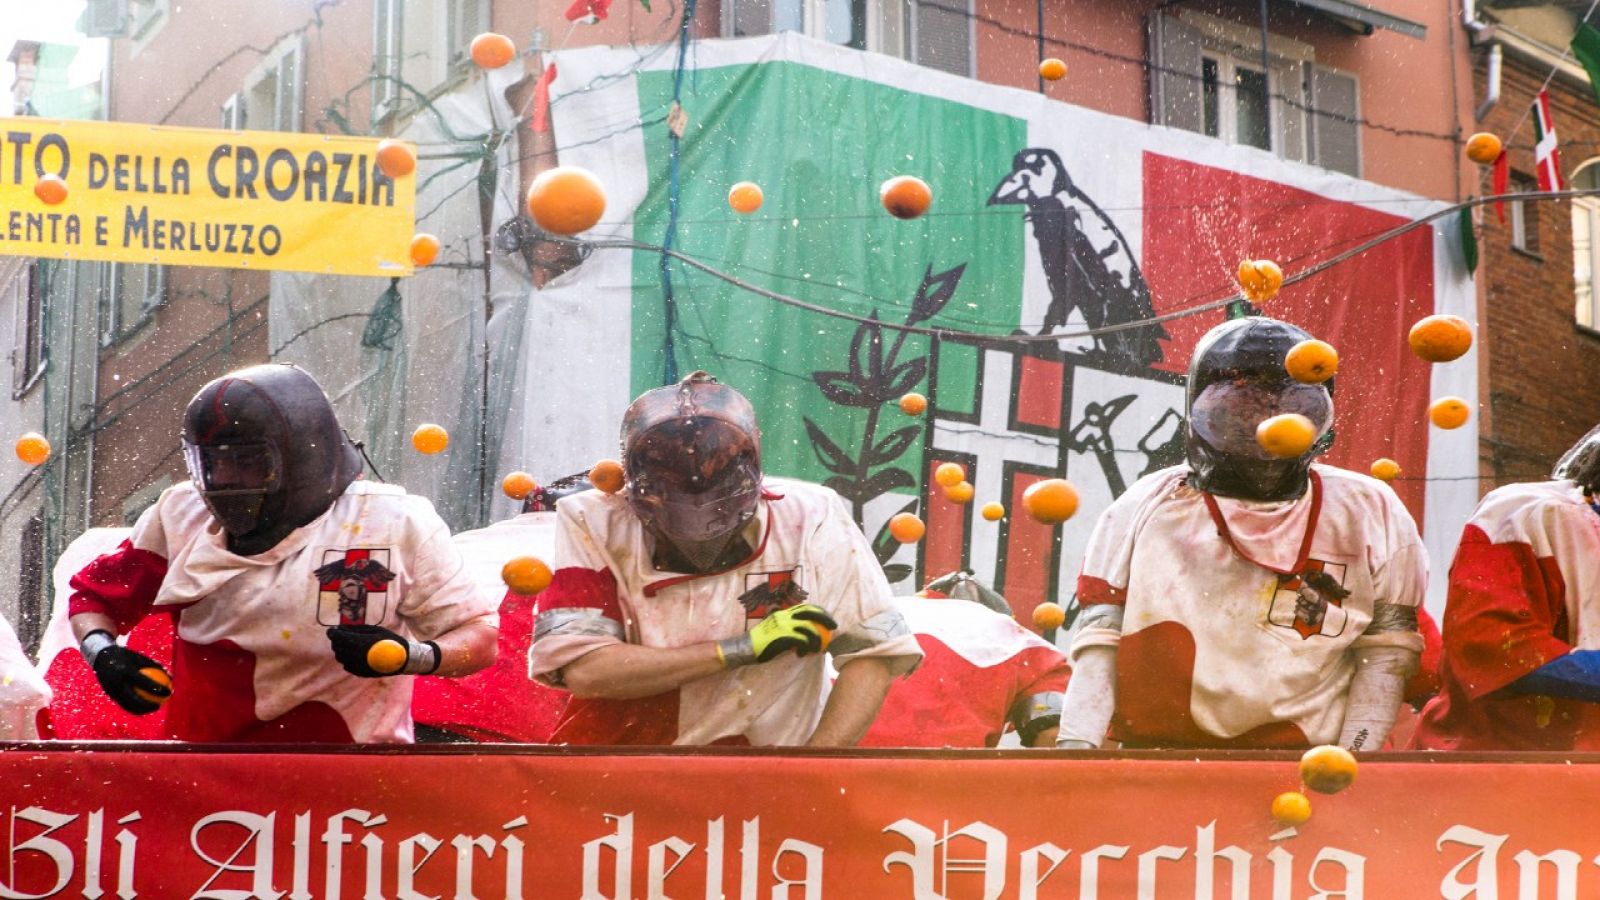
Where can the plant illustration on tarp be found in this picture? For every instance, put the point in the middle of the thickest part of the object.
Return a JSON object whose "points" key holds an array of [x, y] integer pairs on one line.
{"points": [[877, 376]]}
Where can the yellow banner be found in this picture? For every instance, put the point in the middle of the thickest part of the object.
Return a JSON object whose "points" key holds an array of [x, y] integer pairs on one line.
{"points": [[198, 197]]}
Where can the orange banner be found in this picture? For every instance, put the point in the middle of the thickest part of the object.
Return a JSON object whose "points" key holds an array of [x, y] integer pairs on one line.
{"points": [[459, 822]]}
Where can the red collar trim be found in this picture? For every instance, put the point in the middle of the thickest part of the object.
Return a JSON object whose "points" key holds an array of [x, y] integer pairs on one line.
{"points": [[655, 587], [1305, 543]]}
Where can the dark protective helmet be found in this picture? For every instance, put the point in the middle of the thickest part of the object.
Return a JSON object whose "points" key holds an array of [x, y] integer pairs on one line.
{"points": [[962, 586], [267, 453], [692, 456], [1581, 462], [1236, 380]]}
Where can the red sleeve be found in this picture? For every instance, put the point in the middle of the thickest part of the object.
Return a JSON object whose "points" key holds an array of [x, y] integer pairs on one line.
{"points": [[1425, 682], [1506, 607], [1041, 670], [121, 584], [1092, 590], [575, 587]]}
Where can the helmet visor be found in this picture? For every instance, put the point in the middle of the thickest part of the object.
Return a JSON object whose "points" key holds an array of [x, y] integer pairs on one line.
{"points": [[234, 468], [715, 512], [1226, 413]]}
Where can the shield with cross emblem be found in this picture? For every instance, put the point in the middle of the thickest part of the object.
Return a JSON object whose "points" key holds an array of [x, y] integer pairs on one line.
{"points": [[353, 586]]}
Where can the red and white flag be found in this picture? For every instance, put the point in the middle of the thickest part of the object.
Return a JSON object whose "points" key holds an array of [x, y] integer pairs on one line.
{"points": [[1546, 153]]}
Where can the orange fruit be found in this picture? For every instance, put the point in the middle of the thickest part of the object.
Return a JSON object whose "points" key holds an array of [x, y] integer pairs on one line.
{"points": [[1291, 808], [1286, 436], [905, 196], [607, 476], [50, 189], [1048, 615], [395, 158], [386, 657], [745, 197], [430, 438], [1328, 769], [1260, 279], [526, 575], [1311, 361], [992, 511], [1052, 69], [1449, 412], [424, 250], [1440, 338], [1483, 148], [913, 404], [907, 528], [491, 51], [159, 677], [1051, 501], [950, 474], [518, 485], [566, 200], [32, 448], [960, 492], [1385, 469]]}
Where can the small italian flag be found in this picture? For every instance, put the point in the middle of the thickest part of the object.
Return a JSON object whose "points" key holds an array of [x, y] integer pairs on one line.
{"points": [[1546, 155]]}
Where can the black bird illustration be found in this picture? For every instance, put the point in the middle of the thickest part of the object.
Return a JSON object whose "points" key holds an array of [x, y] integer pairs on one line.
{"points": [[1088, 265]]}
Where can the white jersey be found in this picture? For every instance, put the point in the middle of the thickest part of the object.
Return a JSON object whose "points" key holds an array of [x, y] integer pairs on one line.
{"points": [[1238, 619], [251, 630], [606, 590], [22, 692]]}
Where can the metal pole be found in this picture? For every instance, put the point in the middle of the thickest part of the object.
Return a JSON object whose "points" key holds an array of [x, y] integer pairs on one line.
{"points": [[1041, 43]]}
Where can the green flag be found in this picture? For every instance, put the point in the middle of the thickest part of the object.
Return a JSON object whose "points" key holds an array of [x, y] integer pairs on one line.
{"points": [[1586, 47]]}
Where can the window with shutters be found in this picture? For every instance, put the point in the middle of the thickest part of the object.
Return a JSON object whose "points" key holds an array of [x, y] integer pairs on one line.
{"points": [[130, 294], [933, 33], [273, 92], [1524, 216], [1208, 75], [1586, 246], [419, 46], [31, 292]]}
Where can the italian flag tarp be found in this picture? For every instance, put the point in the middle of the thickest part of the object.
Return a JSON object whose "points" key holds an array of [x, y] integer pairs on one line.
{"points": [[1047, 219]]}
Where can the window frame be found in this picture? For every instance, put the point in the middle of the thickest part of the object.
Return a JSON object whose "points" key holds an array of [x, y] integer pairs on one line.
{"points": [[1517, 226], [891, 28], [1586, 175], [445, 61], [28, 357], [288, 94], [1228, 67], [1180, 43], [113, 328]]}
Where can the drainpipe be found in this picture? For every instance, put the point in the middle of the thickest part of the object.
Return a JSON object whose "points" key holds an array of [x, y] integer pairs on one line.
{"points": [[1469, 18], [1491, 94]]}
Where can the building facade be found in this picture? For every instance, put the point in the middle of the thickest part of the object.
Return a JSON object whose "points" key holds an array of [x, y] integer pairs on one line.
{"points": [[1540, 318], [1385, 95]]}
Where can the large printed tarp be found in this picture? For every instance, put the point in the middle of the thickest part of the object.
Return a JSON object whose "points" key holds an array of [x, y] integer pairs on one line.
{"points": [[196, 822], [1047, 218]]}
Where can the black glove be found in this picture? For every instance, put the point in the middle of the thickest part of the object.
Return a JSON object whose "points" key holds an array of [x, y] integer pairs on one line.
{"points": [[353, 648], [132, 680]]}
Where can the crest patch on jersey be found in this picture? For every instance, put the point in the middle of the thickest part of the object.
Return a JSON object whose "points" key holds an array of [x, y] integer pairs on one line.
{"points": [[1312, 602], [767, 592], [350, 582]]}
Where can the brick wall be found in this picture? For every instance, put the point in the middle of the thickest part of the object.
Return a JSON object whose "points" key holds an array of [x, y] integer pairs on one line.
{"points": [[1541, 389]]}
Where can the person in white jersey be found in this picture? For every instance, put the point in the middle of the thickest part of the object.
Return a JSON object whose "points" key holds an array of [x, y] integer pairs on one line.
{"points": [[693, 607], [281, 569], [1241, 600]]}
